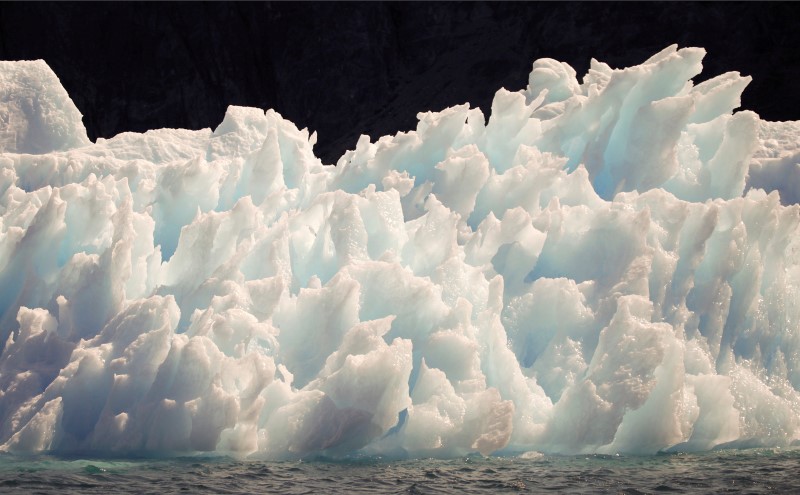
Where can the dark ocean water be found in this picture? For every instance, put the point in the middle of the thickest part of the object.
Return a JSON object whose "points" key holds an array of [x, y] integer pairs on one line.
{"points": [[732, 471]]}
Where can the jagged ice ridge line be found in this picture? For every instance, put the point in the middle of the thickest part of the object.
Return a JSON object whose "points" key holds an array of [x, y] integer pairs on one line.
{"points": [[604, 266]]}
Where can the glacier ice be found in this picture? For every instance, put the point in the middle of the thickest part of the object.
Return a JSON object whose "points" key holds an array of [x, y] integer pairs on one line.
{"points": [[604, 266]]}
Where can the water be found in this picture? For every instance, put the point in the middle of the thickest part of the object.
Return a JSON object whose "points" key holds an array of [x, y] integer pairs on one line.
{"points": [[732, 471]]}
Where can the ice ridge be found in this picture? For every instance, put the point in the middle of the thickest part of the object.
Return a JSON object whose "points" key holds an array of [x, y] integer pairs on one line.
{"points": [[605, 266]]}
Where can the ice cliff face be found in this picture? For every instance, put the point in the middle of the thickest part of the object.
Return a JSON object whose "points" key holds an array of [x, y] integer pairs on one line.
{"points": [[603, 266]]}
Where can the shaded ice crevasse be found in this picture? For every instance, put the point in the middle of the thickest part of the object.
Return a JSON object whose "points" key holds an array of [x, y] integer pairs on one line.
{"points": [[604, 266]]}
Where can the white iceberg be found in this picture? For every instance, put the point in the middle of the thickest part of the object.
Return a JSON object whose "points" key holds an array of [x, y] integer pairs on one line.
{"points": [[604, 266]]}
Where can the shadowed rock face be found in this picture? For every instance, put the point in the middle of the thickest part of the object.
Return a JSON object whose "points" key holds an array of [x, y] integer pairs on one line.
{"points": [[348, 69]]}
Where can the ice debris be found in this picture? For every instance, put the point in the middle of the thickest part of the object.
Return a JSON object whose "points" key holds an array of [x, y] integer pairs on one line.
{"points": [[603, 266]]}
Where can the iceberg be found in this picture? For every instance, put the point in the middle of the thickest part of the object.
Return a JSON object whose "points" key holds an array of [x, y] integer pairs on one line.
{"points": [[609, 265]]}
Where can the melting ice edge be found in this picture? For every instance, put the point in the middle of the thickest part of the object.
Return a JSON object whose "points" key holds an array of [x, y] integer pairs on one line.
{"points": [[606, 266]]}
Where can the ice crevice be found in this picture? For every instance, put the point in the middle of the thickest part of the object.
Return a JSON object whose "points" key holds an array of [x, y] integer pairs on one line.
{"points": [[606, 265]]}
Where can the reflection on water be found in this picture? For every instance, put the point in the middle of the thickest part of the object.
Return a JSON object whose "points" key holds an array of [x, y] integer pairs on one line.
{"points": [[732, 471]]}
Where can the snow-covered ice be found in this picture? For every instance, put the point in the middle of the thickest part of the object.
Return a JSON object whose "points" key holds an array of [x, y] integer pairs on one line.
{"points": [[610, 265]]}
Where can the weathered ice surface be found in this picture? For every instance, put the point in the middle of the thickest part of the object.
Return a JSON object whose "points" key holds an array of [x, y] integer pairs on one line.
{"points": [[608, 264], [36, 114]]}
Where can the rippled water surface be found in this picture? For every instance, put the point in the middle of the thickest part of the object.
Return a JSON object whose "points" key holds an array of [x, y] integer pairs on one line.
{"points": [[748, 471]]}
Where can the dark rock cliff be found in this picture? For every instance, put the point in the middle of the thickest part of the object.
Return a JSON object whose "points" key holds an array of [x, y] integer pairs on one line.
{"points": [[344, 69]]}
